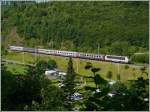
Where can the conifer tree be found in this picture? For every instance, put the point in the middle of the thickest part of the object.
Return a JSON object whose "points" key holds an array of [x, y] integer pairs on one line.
{"points": [[69, 85]]}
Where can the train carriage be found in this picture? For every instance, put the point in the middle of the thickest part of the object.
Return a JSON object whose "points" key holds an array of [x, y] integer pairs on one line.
{"points": [[44, 51], [113, 58], [16, 48], [32, 50]]}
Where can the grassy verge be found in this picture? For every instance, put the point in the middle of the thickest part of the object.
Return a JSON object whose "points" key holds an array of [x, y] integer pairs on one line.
{"points": [[126, 74]]}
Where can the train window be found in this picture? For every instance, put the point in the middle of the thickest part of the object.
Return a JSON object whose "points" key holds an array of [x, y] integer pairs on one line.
{"points": [[114, 57]]}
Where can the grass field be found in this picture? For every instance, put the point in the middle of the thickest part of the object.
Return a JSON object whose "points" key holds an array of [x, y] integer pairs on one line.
{"points": [[16, 69], [79, 64]]}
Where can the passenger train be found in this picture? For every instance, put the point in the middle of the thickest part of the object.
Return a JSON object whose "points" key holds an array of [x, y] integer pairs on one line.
{"points": [[101, 57]]}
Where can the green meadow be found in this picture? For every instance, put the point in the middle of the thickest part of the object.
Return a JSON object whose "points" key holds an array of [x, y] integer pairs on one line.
{"points": [[130, 73]]}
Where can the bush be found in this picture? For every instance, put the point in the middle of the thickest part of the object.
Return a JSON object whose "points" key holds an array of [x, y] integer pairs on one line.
{"points": [[142, 58], [51, 64], [88, 65], [126, 66]]}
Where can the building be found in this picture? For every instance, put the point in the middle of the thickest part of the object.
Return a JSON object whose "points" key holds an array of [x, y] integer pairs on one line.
{"points": [[51, 73], [56, 73]]}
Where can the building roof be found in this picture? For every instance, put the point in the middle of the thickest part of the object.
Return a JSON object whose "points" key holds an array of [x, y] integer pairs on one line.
{"points": [[50, 71]]}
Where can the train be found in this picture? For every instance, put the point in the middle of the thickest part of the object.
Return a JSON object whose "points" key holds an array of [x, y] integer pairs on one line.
{"points": [[100, 57]]}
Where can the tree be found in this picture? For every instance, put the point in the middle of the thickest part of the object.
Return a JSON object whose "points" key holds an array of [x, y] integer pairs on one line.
{"points": [[126, 66], [4, 51], [141, 58], [96, 78], [69, 85], [99, 81], [138, 92], [88, 65], [41, 67], [124, 98], [63, 27], [31, 91], [51, 64], [143, 70], [94, 70]]}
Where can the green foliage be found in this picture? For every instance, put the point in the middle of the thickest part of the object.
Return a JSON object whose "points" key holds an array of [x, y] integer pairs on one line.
{"points": [[126, 66], [51, 64], [88, 65], [75, 26], [143, 70], [32, 91], [35, 92], [69, 85], [123, 99], [4, 52], [96, 76], [94, 70], [99, 81], [141, 58], [42, 65], [139, 90]]}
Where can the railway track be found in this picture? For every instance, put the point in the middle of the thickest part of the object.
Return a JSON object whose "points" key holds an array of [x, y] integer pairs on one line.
{"points": [[5, 61], [120, 64]]}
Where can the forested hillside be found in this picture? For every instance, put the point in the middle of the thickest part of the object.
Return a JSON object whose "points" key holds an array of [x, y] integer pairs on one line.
{"points": [[118, 27]]}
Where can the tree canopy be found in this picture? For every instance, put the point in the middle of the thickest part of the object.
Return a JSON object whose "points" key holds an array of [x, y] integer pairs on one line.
{"points": [[118, 27]]}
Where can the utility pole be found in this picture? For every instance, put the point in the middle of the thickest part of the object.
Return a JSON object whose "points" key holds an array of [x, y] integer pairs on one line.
{"points": [[77, 65], [118, 68], [98, 48], [23, 56], [35, 54], [77, 61]]}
